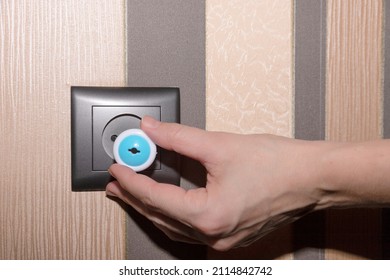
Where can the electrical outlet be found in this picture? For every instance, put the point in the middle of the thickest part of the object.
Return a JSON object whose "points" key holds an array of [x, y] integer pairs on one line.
{"points": [[100, 114]]}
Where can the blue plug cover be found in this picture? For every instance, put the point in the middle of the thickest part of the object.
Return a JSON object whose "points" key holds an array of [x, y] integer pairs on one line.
{"points": [[134, 149]]}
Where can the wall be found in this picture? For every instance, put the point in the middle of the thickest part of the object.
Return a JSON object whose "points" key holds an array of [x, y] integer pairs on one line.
{"points": [[249, 66], [250, 90], [249, 84], [45, 47], [354, 112]]}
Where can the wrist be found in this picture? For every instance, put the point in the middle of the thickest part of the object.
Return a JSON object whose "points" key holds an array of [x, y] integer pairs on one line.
{"points": [[355, 174], [331, 185], [316, 171]]}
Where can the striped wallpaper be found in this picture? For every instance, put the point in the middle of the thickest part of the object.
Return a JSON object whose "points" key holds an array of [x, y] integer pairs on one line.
{"points": [[310, 69], [332, 89]]}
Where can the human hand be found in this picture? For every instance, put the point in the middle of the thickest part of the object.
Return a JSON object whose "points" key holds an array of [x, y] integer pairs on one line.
{"points": [[255, 184]]}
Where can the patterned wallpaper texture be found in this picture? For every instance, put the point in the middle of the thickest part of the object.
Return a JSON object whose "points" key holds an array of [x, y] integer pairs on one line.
{"points": [[249, 66]]}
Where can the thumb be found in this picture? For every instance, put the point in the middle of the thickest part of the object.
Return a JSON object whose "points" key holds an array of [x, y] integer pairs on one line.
{"points": [[189, 141]]}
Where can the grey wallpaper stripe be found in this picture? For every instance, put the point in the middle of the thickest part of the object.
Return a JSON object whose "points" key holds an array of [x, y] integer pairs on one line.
{"points": [[310, 73], [310, 68], [386, 120], [166, 47]]}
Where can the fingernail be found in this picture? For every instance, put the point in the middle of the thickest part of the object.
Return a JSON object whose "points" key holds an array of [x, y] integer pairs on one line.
{"points": [[108, 192], [108, 195], [110, 172], [149, 122]]}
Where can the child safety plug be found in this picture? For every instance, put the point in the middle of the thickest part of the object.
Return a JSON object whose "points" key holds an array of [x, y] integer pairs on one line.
{"points": [[134, 149]]}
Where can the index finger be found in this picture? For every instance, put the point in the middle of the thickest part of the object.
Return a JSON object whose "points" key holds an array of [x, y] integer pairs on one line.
{"points": [[193, 142], [170, 200]]}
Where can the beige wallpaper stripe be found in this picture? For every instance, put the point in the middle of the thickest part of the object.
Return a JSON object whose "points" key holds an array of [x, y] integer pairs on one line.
{"points": [[46, 46], [248, 63], [249, 83], [354, 111]]}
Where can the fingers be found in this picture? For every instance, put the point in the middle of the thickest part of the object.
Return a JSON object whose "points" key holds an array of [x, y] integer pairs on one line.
{"points": [[167, 199], [171, 213], [189, 141], [173, 229]]}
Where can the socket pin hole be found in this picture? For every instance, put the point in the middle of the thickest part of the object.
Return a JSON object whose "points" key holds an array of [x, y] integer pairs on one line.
{"points": [[113, 137]]}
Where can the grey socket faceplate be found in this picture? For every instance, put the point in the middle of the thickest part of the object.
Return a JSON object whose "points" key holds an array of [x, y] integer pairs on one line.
{"points": [[98, 113]]}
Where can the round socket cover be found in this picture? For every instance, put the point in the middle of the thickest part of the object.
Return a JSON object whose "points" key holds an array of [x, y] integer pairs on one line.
{"points": [[134, 149], [115, 127]]}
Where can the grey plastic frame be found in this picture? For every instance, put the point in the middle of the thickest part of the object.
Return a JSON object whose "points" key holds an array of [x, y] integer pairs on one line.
{"points": [[83, 99]]}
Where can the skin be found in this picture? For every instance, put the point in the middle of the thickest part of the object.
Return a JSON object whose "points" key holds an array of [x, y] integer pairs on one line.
{"points": [[255, 183]]}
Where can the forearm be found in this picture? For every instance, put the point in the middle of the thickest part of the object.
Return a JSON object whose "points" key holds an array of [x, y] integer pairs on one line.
{"points": [[356, 174]]}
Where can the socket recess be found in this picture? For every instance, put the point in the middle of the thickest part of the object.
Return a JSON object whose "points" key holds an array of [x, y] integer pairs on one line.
{"points": [[100, 114]]}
